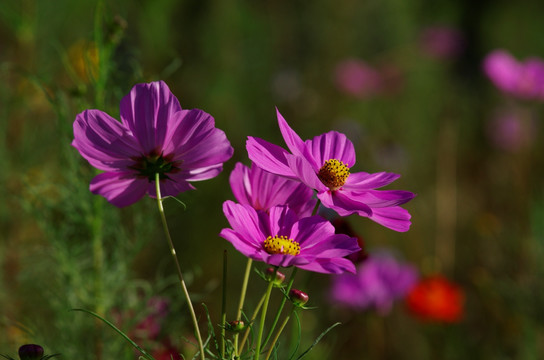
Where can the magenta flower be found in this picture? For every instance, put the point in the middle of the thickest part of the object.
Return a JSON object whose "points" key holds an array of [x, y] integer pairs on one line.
{"points": [[324, 164], [263, 190], [379, 282], [154, 136], [521, 79], [278, 237]]}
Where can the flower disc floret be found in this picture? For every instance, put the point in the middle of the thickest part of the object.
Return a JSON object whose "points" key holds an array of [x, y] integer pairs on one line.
{"points": [[281, 245], [333, 174]]}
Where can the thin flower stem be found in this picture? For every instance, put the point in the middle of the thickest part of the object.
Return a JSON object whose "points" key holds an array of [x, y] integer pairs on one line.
{"points": [[285, 321], [224, 305], [242, 300], [316, 207], [282, 304], [263, 318], [178, 267], [253, 317]]}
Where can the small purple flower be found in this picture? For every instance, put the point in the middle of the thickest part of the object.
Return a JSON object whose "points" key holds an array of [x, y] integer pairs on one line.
{"points": [[324, 164], [278, 237], [520, 79], [357, 78], [380, 280], [154, 136], [262, 190]]}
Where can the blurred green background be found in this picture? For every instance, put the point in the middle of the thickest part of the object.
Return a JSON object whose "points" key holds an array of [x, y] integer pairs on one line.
{"points": [[478, 217]]}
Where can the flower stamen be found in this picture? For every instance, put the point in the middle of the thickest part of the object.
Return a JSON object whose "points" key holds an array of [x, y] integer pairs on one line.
{"points": [[333, 174], [281, 245]]}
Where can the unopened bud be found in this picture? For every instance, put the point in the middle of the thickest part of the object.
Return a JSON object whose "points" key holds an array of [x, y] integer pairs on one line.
{"points": [[275, 276], [235, 325], [30, 352], [298, 297]]}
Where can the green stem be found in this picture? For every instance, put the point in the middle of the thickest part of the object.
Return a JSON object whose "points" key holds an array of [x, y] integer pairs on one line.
{"points": [[178, 267], [282, 304], [316, 207], [263, 318], [279, 333], [224, 305], [242, 300], [253, 317], [98, 263]]}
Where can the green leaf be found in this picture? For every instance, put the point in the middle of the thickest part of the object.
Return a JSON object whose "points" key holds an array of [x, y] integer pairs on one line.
{"points": [[178, 200], [318, 340], [136, 346], [299, 328]]}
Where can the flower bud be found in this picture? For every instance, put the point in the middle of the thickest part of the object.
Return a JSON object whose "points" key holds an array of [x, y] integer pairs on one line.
{"points": [[277, 279], [30, 352], [298, 297], [236, 326]]}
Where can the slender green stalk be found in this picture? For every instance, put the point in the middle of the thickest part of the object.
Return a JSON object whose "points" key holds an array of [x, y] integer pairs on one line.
{"points": [[282, 304], [253, 317], [242, 300], [316, 207], [275, 340], [178, 267], [263, 318], [98, 265], [224, 305]]}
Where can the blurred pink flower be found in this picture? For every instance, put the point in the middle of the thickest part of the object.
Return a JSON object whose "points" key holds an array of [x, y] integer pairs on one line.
{"points": [[150, 326], [380, 280], [442, 42], [357, 78], [520, 79]]}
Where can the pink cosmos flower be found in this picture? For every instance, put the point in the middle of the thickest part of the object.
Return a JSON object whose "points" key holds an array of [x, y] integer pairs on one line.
{"points": [[379, 282], [278, 237], [154, 136], [324, 164], [263, 190], [521, 79]]}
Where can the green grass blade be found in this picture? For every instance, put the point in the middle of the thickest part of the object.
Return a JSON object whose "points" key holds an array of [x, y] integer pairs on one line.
{"points": [[136, 346], [318, 340]]}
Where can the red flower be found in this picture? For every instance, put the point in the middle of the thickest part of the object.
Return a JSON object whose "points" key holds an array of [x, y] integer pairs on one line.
{"points": [[436, 298]]}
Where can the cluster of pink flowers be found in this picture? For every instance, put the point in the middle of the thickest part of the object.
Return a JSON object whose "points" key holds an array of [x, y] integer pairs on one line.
{"points": [[272, 222], [160, 148]]}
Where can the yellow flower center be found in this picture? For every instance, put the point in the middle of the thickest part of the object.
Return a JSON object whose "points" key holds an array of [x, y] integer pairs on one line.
{"points": [[333, 174], [281, 245]]}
